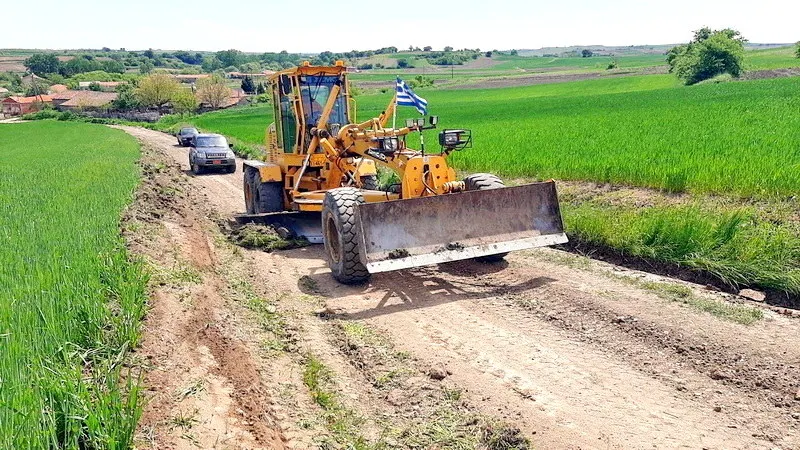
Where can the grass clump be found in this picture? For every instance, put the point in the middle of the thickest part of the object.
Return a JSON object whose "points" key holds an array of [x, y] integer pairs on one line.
{"points": [[71, 298], [745, 315], [262, 237], [343, 423]]}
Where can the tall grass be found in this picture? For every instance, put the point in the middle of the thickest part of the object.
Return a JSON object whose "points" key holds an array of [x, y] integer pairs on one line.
{"points": [[733, 245], [729, 138], [70, 298]]}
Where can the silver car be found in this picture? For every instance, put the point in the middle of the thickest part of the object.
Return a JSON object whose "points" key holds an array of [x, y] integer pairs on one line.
{"points": [[211, 151]]}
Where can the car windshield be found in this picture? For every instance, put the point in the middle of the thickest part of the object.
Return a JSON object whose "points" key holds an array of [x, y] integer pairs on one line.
{"points": [[211, 141], [188, 130]]}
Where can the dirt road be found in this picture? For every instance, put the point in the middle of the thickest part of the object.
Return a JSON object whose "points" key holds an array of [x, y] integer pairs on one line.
{"points": [[574, 352]]}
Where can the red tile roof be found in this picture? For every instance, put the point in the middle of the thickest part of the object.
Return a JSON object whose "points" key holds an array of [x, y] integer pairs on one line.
{"points": [[90, 99], [66, 95], [23, 100]]}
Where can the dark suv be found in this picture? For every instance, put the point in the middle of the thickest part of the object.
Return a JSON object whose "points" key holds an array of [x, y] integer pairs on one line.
{"points": [[211, 151], [185, 136]]}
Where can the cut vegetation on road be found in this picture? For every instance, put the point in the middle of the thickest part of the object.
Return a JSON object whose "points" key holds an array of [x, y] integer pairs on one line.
{"points": [[70, 297]]}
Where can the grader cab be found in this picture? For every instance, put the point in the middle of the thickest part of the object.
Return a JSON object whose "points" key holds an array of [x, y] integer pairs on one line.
{"points": [[318, 180]]}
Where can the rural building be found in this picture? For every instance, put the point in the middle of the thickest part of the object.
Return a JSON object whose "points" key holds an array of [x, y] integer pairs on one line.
{"points": [[62, 97], [191, 78], [16, 106], [84, 100], [56, 88], [240, 75], [28, 80], [237, 98], [106, 86]]}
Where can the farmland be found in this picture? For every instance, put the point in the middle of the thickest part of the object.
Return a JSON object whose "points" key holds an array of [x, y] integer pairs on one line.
{"points": [[264, 349], [70, 297]]}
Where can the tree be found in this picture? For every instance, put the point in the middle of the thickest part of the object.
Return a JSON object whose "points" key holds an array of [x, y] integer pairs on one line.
{"points": [[709, 54], [230, 57], [488, 54], [156, 90], [797, 50], [402, 63], [261, 89], [427, 48], [113, 66], [448, 49], [585, 53], [35, 88], [126, 98], [149, 53], [248, 85], [211, 64], [95, 86], [145, 67], [42, 63], [213, 91], [184, 101]]}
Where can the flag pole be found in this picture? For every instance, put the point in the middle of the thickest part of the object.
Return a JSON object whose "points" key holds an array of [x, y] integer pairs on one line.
{"points": [[394, 110]]}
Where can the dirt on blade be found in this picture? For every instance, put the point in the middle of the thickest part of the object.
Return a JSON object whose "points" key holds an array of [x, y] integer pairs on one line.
{"points": [[571, 352]]}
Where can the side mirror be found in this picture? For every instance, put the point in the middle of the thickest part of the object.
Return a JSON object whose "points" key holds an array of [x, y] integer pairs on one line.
{"points": [[230, 145], [434, 120]]}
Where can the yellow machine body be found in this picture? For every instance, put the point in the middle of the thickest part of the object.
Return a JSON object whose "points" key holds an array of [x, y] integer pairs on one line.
{"points": [[316, 145]]}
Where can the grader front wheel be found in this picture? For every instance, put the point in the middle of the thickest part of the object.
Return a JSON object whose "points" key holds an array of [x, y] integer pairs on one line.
{"points": [[341, 236]]}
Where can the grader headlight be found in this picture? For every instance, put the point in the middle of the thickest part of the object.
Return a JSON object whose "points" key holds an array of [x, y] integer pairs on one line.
{"points": [[455, 139]]}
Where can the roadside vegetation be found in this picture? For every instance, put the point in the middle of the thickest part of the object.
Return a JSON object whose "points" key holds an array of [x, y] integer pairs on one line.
{"points": [[70, 296]]}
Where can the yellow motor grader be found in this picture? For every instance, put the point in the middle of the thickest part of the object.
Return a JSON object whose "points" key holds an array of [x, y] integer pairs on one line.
{"points": [[318, 180]]}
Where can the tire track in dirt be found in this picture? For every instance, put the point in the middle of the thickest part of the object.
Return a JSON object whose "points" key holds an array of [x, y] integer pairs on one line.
{"points": [[564, 368], [205, 389]]}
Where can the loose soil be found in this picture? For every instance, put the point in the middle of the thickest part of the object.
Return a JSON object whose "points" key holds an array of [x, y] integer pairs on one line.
{"points": [[572, 352]]}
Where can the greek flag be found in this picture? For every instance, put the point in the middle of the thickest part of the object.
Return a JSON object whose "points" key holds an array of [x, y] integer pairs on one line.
{"points": [[407, 97]]}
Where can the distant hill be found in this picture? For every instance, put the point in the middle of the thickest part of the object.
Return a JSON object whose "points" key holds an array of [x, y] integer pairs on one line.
{"points": [[630, 50]]}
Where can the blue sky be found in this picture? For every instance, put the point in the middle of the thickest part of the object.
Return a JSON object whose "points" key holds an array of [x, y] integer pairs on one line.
{"points": [[347, 24]]}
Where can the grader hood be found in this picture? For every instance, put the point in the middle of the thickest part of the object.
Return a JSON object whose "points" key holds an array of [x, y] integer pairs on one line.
{"points": [[421, 231]]}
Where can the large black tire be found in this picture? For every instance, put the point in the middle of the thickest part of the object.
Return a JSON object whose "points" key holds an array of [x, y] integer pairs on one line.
{"points": [[482, 182], [370, 182], [248, 175], [341, 235], [260, 198], [268, 197]]}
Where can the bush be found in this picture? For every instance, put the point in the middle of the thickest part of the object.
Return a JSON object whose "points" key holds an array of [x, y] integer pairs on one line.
{"points": [[709, 54], [797, 50], [43, 115]]}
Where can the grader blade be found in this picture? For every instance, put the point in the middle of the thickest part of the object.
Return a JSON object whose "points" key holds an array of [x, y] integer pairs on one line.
{"points": [[429, 230]]}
